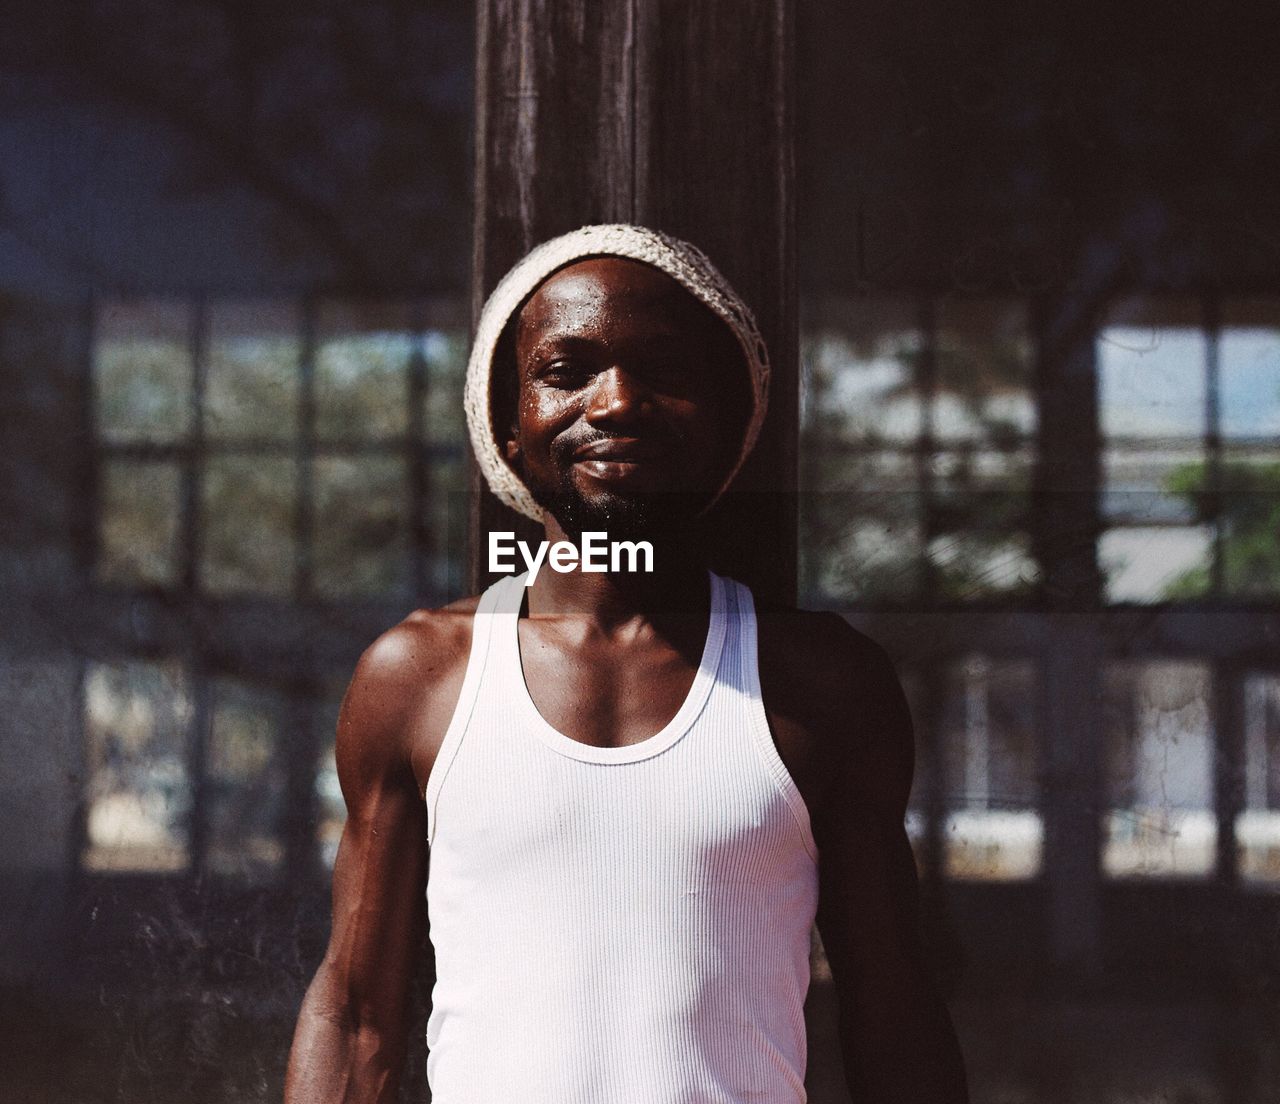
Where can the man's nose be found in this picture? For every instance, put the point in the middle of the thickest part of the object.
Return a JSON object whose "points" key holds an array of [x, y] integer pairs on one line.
{"points": [[618, 395]]}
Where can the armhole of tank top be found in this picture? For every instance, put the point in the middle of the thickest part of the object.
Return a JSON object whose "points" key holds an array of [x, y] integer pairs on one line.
{"points": [[762, 737], [477, 658]]}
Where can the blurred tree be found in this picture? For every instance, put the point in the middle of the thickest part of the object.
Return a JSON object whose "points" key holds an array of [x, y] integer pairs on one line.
{"points": [[350, 122], [862, 518], [1246, 507]]}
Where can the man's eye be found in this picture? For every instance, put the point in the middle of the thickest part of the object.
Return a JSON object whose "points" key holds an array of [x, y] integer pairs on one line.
{"points": [[564, 373]]}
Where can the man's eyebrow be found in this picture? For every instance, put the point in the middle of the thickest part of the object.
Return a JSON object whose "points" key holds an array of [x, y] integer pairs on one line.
{"points": [[562, 343], [569, 343]]}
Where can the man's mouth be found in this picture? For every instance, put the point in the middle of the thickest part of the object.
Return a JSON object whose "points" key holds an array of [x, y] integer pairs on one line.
{"points": [[618, 460], [619, 450]]}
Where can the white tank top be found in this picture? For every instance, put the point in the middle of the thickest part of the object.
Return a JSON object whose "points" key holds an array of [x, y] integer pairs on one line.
{"points": [[622, 925]]}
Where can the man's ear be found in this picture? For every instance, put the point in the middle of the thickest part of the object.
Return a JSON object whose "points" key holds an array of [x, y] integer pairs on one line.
{"points": [[511, 448]]}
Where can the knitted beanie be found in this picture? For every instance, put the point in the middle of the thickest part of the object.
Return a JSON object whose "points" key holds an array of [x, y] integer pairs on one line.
{"points": [[678, 259]]}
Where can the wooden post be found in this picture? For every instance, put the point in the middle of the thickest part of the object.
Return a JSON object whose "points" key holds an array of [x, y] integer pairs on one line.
{"points": [[672, 115], [1067, 496]]}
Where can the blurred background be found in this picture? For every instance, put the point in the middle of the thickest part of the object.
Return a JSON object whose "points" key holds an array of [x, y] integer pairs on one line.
{"points": [[1040, 461]]}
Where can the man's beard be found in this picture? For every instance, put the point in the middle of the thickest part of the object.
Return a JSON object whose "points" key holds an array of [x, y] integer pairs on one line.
{"points": [[637, 515]]}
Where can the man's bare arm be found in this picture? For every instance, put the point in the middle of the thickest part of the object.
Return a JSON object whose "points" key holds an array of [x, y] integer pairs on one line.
{"points": [[896, 1034], [352, 1033]]}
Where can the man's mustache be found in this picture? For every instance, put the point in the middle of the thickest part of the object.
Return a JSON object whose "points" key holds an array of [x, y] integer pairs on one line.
{"points": [[565, 448]]}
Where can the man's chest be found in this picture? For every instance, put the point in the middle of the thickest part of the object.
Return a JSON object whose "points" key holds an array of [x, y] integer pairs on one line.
{"points": [[626, 697], [607, 697]]}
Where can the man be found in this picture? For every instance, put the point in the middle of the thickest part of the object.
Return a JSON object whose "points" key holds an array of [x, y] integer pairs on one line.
{"points": [[637, 792]]}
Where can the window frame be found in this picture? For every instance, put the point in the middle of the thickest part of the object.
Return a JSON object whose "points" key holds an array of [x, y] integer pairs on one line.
{"points": [[294, 646]]}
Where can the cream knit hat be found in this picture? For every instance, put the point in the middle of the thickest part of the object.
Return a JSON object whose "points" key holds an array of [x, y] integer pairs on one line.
{"points": [[678, 259]]}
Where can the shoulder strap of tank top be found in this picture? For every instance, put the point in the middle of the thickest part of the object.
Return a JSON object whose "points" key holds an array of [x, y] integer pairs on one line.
{"points": [[477, 658], [762, 738], [506, 676]]}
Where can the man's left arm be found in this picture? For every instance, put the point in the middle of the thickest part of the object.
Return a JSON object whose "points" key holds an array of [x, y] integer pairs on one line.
{"points": [[897, 1038]]}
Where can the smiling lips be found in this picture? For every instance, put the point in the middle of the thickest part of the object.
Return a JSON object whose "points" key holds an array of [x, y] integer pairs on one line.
{"points": [[617, 460]]}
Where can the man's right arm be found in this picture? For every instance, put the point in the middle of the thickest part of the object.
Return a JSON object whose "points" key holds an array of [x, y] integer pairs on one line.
{"points": [[352, 1032]]}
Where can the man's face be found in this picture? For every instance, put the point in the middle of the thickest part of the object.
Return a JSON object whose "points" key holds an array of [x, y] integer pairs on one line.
{"points": [[633, 399]]}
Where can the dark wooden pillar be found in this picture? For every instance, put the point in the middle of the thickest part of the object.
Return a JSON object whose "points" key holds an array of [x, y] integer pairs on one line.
{"points": [[672, 115], [1067, 494]]}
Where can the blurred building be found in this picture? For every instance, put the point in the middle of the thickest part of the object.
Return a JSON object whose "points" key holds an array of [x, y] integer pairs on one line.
{"points": [[1041, 460]]}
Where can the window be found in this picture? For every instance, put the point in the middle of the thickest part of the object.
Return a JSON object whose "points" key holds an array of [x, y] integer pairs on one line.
{"points": [[143, 377], [983, 801], [290, 448], [1258, 823], [138, 728], [299, 465], [918, 424], [1190, 412], [191, 772], [917, 448], [993, 829], [246, 772], [1160, 741]]}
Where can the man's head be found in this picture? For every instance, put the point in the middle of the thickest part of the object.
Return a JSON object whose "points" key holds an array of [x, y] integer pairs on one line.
{"points": [[616, 382], [627, 398]]}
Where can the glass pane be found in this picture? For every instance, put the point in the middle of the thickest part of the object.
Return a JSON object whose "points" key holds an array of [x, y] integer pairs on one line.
{"points": [[1251, 524], [1152, 373], [361, 516], [253, 377], [140, 507], [993, 829], [247, 525], [446, 524], [1249, 370], [983, 565], [445, 353], [1156, 565], [143, 371], [858, 372], [981, 489], [861, 535], [984, 367], [361, 371], [1160, 770], [246, 779], [138, 796], [1155, 486], [1258, 826], [331, 807], [980, 511]]}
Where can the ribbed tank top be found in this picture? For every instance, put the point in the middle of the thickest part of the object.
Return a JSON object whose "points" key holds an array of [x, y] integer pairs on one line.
{"points": [[621, 925]]}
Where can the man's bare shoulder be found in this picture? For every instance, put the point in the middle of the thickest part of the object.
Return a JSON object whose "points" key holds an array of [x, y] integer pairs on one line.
{"points": [[821, 655], [425, 642], [836, 695], [405, 686]]}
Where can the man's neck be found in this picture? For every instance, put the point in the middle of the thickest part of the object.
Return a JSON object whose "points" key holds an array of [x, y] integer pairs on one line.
{"points": [[677, 585]]}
